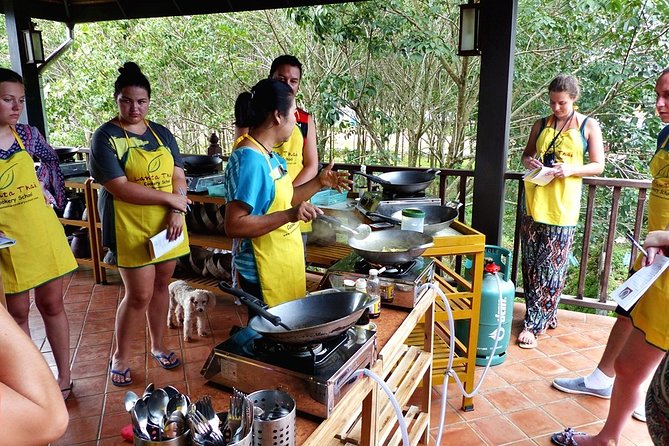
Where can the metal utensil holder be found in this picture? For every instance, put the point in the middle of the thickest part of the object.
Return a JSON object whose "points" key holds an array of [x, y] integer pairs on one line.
{"points": [[181, 440], [246, 441], [276, 431]]}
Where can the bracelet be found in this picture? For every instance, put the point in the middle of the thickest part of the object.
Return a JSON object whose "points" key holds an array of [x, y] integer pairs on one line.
{"points": [[177, 211]]}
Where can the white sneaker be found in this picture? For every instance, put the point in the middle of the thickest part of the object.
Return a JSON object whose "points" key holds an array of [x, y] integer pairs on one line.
{"points": [[640, 412]]}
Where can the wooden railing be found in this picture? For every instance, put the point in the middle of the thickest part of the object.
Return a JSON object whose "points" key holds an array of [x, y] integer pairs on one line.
{"points": [[455, 184]]}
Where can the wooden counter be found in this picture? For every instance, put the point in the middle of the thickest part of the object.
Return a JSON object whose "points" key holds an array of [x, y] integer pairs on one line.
{"points": [[364, 415]]}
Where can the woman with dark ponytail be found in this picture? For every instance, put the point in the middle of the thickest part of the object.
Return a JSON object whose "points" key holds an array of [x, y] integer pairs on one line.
{"points": [[138, 163], [264, 209]]}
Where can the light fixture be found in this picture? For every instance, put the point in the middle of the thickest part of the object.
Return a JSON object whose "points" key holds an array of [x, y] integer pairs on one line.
{"points": [[32, 39], [468, 42]]}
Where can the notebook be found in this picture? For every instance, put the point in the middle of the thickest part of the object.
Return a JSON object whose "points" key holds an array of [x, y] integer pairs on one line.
{"points": [[159, 245]]}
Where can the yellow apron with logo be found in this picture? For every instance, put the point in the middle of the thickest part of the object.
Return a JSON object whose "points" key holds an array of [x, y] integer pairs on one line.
{"points": [[558, 202], [41, 252], [651, 312], [293, 152], [279, 254], [137, 223]]}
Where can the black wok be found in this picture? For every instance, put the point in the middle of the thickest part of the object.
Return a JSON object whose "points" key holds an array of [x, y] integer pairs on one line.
{"points": [[304, 321], [391, 246], [66, 153], [437, 218], [199, 164], [403, 181]]}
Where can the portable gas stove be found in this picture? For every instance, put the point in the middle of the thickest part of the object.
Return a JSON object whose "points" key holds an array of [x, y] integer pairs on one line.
{"points": [[387, 204], [316, 376], [406, 277], [74, 169], [200, 182]]}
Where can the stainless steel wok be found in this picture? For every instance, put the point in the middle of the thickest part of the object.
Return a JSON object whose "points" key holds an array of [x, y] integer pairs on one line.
{"points": [[392, 246], [437, 218], [403, 181], [307, 320]]}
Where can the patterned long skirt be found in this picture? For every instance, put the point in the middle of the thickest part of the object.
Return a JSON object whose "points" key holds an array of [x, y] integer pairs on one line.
{"points": [[545, 258], [657, 404]]}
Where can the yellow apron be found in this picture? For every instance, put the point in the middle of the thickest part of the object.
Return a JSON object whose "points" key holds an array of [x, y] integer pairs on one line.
{"points": [[41, 252], [651, 313], [293, 152], [136, 223], [279, 254], [558, 202]]}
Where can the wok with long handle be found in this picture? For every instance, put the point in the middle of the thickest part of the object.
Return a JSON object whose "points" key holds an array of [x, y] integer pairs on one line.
{"points": [[391, 246], [307, 320], [403, 181]]}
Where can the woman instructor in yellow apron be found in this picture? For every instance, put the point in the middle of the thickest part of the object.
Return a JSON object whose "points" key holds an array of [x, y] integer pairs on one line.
{"points": [[41, 256], [138, 164], [263, 207]]}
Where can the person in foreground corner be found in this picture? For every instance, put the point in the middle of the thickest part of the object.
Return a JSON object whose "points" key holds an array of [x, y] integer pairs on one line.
{"points": [[558, 142], [32, 410], [637, 350], [138, 163]]}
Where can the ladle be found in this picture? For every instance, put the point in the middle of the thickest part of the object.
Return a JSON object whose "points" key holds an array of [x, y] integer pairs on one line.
{"points": [[130, 400], [157, 406], [140, 416], [360, 232]]}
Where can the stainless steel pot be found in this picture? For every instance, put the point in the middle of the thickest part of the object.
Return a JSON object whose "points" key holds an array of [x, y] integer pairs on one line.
{"points": [[307, 320], [392, 246]]}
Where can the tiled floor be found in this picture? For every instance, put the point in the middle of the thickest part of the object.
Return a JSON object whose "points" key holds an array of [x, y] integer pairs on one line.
{"points": [[516, 404]]}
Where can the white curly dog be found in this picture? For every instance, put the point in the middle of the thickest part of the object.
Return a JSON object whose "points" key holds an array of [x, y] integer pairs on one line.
{"points": [[188, 305]]}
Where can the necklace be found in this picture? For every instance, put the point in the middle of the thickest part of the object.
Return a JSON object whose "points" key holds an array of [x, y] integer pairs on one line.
{"points": [[269, 152]]}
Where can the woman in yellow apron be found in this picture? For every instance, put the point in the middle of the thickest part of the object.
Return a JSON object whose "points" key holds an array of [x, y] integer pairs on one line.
{"points": [[263, 208], [642, 346], [138, 164], [41, 256], [551, 211], [299, 151]]}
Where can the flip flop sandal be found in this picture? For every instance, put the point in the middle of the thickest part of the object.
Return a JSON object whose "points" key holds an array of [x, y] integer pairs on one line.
{"points": [[566, 437], [124, 374], [528, 345], [167, 361], [67, 390]]}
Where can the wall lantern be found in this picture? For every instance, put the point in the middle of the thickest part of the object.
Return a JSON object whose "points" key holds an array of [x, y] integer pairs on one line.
{"points": [[33, 45], [468, 43]]}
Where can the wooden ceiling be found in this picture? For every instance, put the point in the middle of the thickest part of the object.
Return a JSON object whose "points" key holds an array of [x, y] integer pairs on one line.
{"points": [[81, 11]]}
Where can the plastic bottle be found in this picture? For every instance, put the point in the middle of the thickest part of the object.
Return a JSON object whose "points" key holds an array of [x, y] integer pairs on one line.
{"points": [[361, 182], [413, 220], [363, 322], [374, 290]]}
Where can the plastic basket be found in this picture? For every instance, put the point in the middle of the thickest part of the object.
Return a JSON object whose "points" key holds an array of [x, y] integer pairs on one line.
{"points": [[328, 197]]}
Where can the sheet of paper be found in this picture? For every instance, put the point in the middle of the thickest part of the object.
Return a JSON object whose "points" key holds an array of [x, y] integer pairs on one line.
{"points": [[6, 241], [539, 176], [159, 245], [633, 288]]}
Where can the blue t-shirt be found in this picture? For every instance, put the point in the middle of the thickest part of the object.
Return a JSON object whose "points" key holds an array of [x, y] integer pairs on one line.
{"points": [[248, 179]]}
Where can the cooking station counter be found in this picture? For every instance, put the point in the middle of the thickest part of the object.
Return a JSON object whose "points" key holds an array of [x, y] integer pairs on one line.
{"points": [[363, 415]]}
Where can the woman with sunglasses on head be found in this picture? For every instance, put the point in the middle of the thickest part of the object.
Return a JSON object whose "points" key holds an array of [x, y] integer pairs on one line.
{"points": [[138, 163], [41, 256], [559, 143]]}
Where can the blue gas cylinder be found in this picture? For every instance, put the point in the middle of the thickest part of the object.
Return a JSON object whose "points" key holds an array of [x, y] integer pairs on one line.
{"points": [[497, 264], [491, 293]]}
